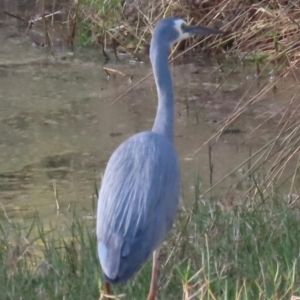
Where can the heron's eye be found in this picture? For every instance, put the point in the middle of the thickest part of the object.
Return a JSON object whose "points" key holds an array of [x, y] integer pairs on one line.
{"points": [[183, 27]]}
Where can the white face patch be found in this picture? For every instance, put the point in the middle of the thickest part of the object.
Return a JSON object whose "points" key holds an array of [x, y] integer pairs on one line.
{"points": [[182, 35]]}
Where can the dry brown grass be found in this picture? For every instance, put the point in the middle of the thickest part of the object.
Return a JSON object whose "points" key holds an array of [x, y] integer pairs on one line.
{"points": [[269, 27], [265, 28]]}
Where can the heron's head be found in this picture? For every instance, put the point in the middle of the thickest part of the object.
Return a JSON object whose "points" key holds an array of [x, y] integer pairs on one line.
{"points": [[172, 30]]}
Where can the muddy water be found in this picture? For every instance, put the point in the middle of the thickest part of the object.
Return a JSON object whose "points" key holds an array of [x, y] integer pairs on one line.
{"points": [[58, 126]]}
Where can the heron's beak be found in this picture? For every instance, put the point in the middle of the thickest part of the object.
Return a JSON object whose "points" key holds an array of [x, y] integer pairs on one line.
{"points": [[194, 30]]}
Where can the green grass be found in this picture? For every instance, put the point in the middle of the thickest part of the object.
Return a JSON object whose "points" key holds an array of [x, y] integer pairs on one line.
{"points": [[245, 252], [97, 19]]}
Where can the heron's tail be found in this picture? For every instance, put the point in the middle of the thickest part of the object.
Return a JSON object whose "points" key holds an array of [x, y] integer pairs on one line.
{"points": [[110, 254]]}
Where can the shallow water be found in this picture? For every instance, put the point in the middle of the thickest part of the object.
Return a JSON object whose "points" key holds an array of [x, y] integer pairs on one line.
{"points": [[58, 126]]}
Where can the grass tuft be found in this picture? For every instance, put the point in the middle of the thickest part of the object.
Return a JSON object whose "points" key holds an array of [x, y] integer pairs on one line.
{"points": [[249, 251]]}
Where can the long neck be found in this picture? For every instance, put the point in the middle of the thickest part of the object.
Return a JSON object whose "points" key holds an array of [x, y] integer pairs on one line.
{"points": [[164, 119]]}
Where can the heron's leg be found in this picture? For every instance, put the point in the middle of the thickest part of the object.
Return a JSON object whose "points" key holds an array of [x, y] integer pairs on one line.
{"points": [[153, 284], [107, 289]]}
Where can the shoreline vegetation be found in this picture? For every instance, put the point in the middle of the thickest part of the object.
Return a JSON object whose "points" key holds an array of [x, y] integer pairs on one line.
{"points": [[265, 30], [249, 251], [243, 251]]}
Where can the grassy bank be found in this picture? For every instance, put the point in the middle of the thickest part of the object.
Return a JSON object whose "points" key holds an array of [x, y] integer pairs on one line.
{"points": [[245, 252], [264, 29]]}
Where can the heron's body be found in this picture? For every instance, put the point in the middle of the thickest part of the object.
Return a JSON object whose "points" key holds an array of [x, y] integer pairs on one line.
{"points": [[139, 207], [140, 189]]}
